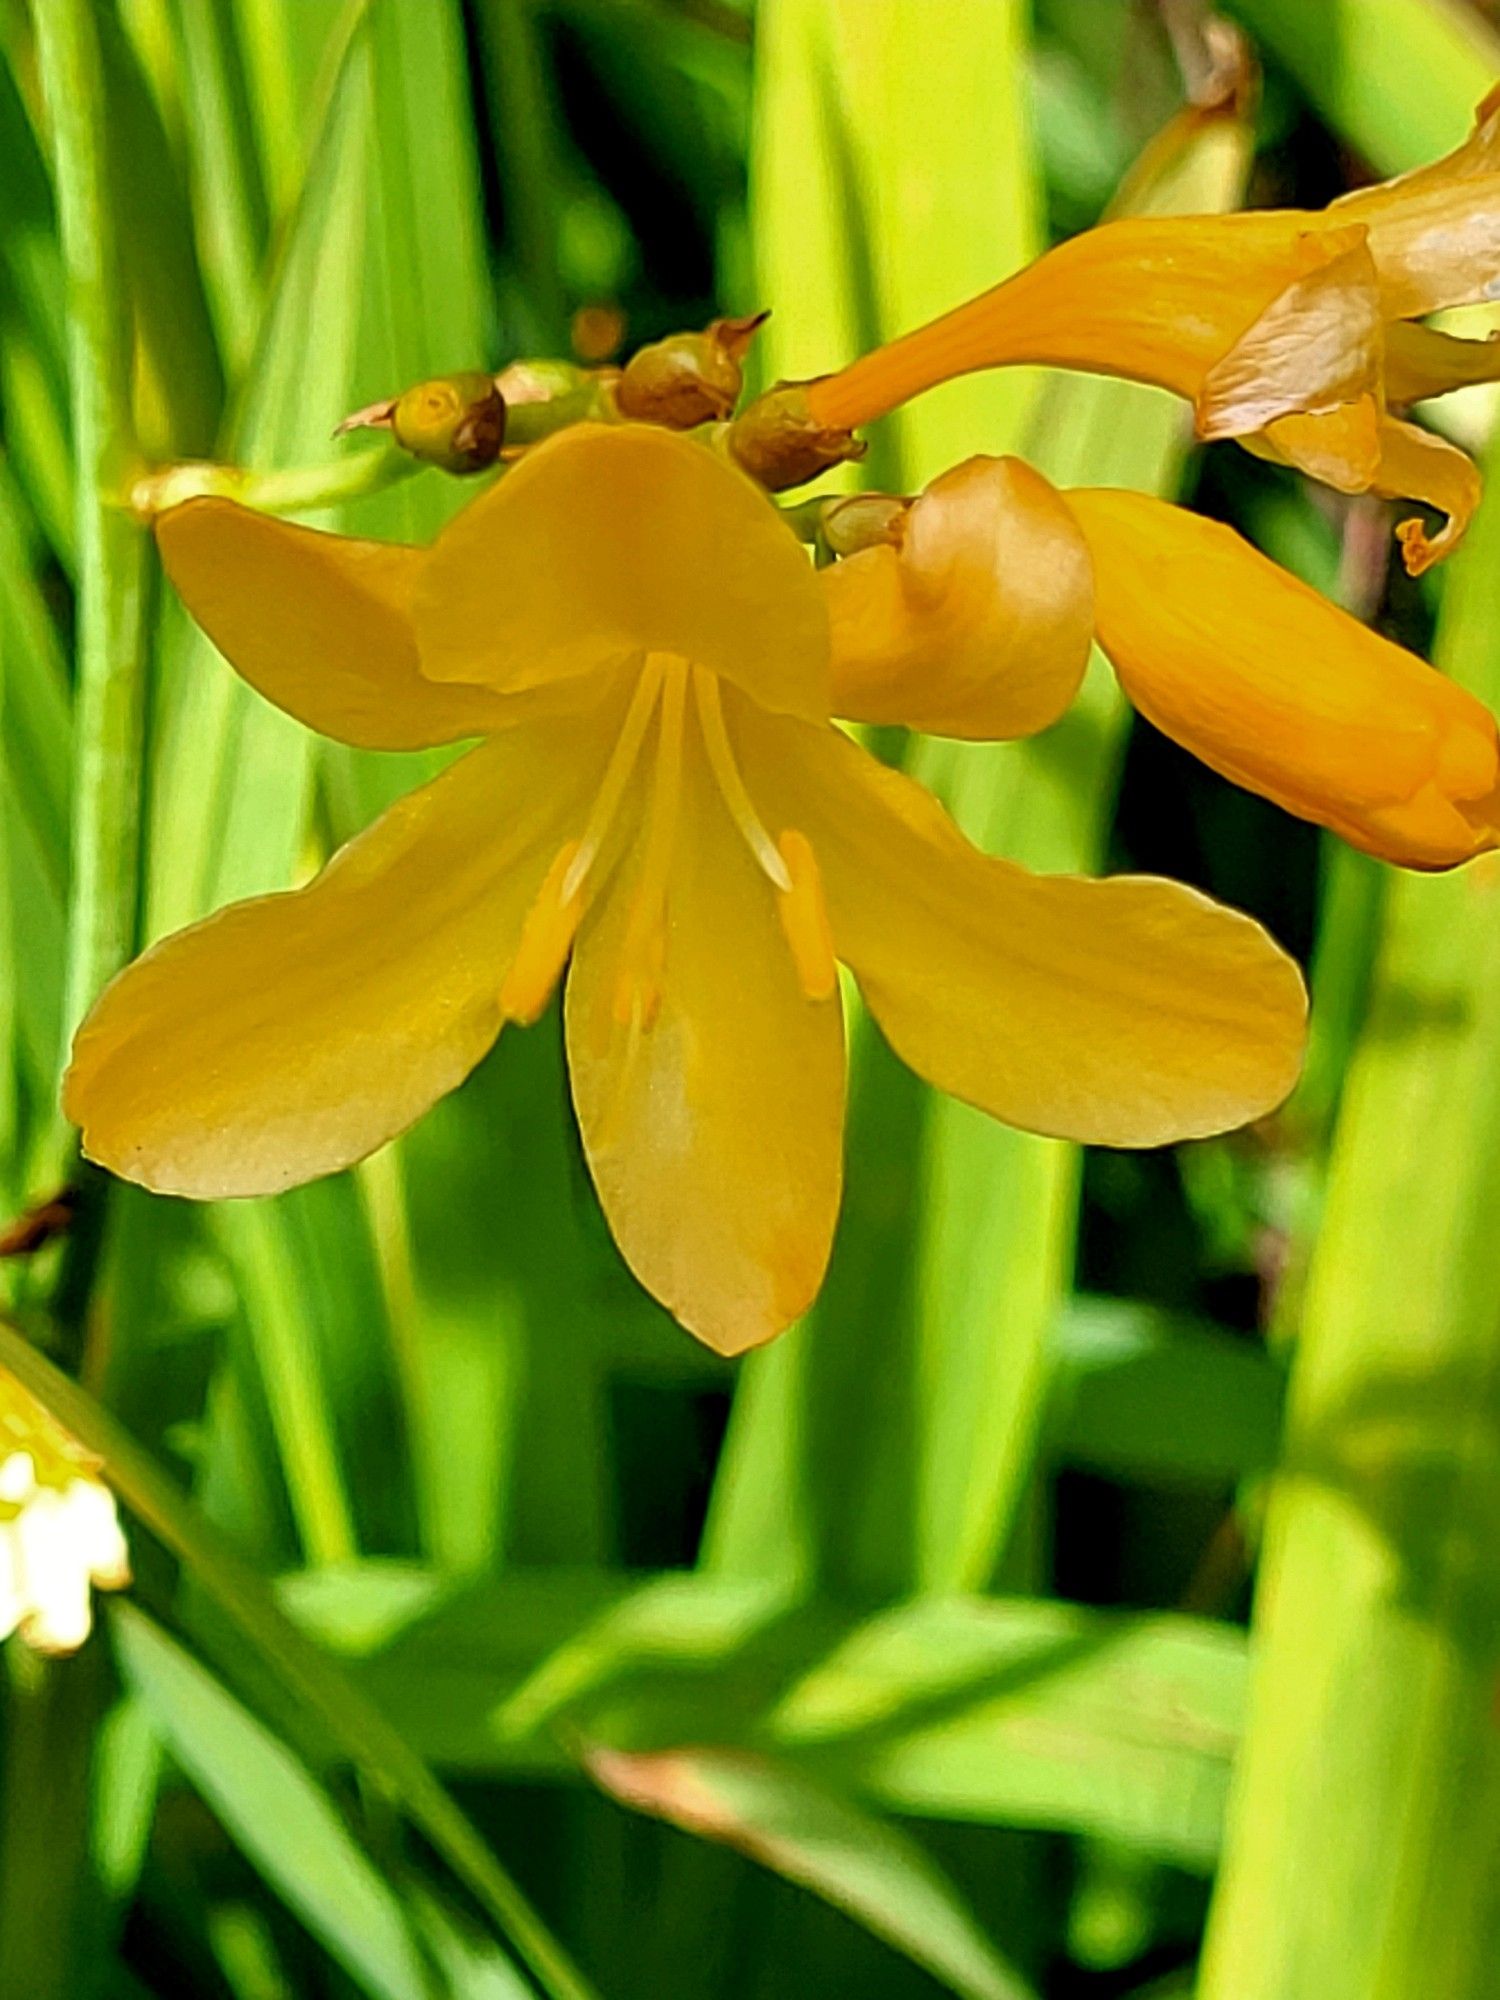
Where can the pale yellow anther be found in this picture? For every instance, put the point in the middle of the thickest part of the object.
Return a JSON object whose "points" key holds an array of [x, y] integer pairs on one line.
{"points": [[804, 917], [546, 939]]}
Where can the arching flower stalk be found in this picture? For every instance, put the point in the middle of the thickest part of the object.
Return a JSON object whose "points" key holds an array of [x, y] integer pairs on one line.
{"points": [[663, 814]]}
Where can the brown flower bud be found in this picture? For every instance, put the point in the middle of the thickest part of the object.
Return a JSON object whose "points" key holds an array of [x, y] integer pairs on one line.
{"points": [[455, 421], [689, 378], [779, 442]]}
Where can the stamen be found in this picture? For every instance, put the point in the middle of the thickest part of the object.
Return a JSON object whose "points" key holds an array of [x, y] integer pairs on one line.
{"points": [[546, 939], [617, 772], [731, 784], [804, 918], [557, 910], [643, 954]]}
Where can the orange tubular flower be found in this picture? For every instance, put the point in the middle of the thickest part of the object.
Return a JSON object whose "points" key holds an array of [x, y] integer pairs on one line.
{"points": [[1249, 669], [1288, 329], [661, 807]]}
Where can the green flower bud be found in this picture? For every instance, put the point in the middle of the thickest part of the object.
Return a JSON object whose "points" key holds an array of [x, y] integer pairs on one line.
{"points": [[454, 421]]}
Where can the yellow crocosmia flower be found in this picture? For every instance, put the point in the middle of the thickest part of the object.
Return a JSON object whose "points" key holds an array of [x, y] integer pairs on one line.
{"points": [[661, 804], [59, 1533], [1249, 669], [1288, 329]]}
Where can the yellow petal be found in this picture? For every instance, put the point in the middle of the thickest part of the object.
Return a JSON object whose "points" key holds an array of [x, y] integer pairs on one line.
{"points": [[290, 1035], [607, 542], [1435, 232], [1417, 465], [1316, 345], [713, 1130], [319, 624], [1281, 692], [1154, 299], [1360, 450], [979, 625], [1340, 448], [1129, 1012], [1422, 361]]}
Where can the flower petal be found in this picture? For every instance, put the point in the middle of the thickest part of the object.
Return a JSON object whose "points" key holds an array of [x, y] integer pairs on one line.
{"points": [[319, 624], [1415, 464], [980, 624], [714, 1135], [1435, 232], [1317, 344], [608, 541], [1276, 689], [1154, 299], [1128, 1012], [288, 1036]]}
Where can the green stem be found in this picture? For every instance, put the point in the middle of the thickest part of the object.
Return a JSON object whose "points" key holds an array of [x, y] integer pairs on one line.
{"points": [[112, 571], [372, 1745], [295, 490]]}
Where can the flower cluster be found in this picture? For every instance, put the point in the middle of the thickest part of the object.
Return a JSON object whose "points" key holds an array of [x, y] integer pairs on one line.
{"points": [[59, 1534], [1295, 331], [664, 815]]}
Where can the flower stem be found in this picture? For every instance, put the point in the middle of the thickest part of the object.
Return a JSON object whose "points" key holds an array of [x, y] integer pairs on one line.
{"points": [[293, 490], [112, 568]]}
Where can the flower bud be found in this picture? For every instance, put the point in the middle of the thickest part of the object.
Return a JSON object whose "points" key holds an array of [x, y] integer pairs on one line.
{"points": [[858, 521], [779, 442], [454, 421], [688, 378]]}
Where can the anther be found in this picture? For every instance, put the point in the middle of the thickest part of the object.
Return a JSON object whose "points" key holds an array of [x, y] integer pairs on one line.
{"points": [[804, 918], [546, 939]]}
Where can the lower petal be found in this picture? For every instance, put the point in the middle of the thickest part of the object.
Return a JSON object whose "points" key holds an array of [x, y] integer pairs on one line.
{"points": [[712, 1122], [980, 624], [288, 1036], [1279, 691], [1127, 1012]]}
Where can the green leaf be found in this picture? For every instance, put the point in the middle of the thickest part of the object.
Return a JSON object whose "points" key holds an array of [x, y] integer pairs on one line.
{"points": [[1005, 1711], [323, 1692], [810, 1836], [275, 1811]]}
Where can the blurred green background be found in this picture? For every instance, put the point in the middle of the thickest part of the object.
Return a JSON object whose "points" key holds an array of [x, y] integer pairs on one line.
{"points": [[933, 1616]]}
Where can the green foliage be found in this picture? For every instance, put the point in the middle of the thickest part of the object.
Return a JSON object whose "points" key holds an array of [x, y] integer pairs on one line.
{"points": [[916, 1642]]}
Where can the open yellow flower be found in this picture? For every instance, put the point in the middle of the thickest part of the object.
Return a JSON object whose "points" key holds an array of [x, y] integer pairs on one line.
{"points": [[1248, 668], [1289, 329], [662, 806]]}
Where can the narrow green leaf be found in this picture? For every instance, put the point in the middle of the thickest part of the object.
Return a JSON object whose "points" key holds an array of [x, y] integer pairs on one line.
{"points": [[275, 1811], [861, 1865], [359, 1729]]}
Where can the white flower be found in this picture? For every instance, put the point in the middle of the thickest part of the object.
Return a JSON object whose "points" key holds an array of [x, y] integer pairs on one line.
{"points": [[59, 1535]]}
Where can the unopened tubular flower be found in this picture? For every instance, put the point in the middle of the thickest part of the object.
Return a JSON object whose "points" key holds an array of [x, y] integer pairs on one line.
{"points": [[1289, 329], [1248, 668], [663, 810], [59, 1534]]}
